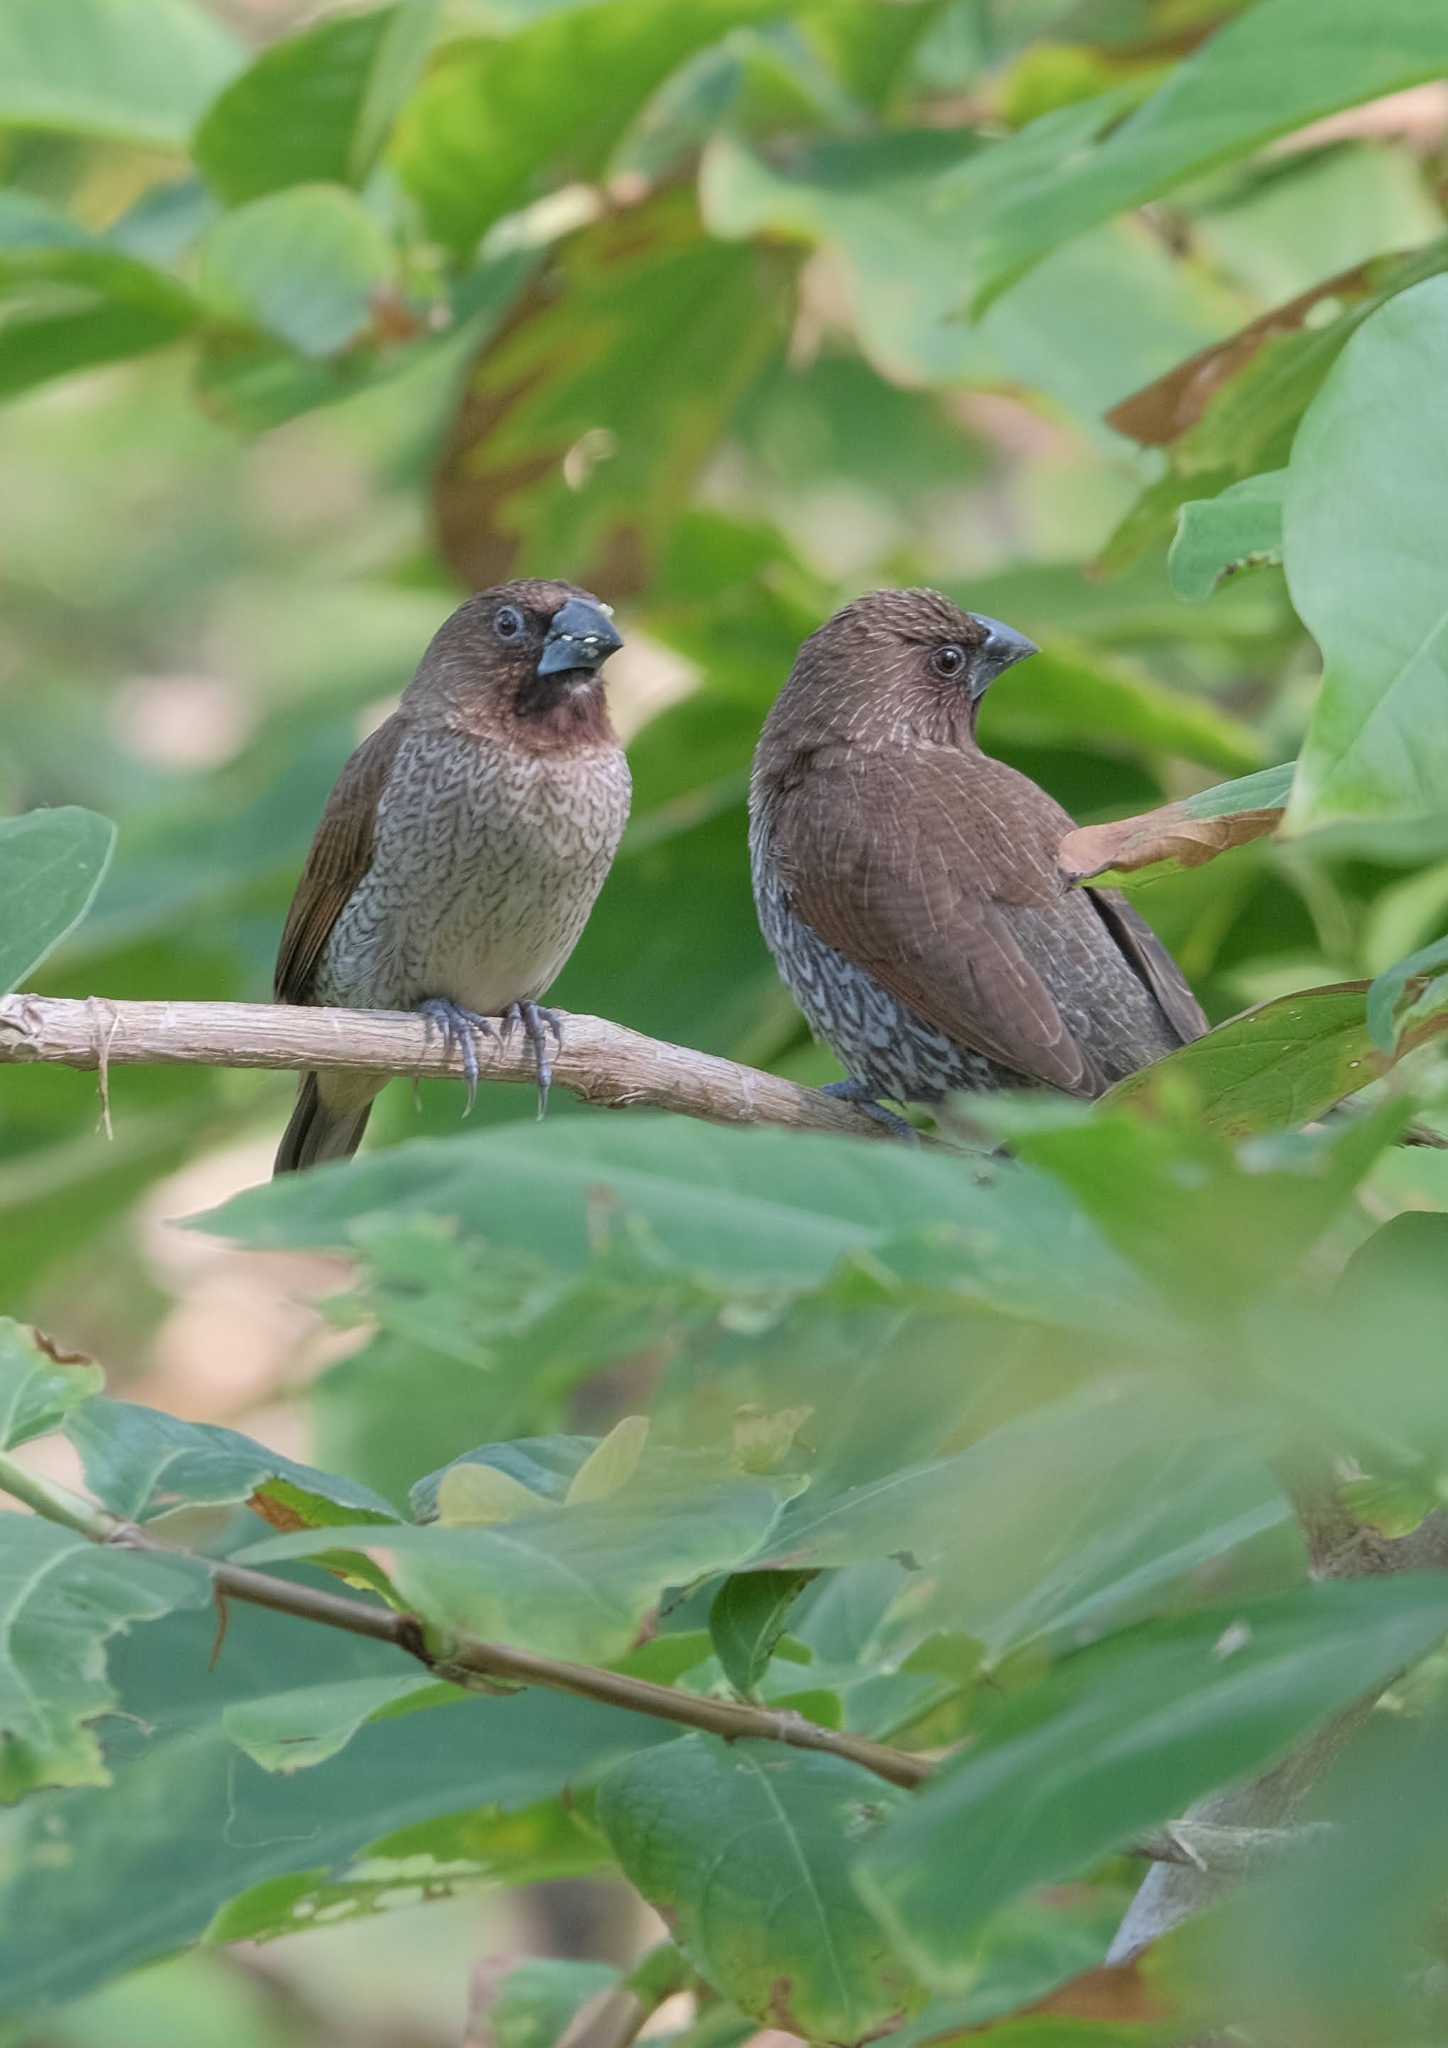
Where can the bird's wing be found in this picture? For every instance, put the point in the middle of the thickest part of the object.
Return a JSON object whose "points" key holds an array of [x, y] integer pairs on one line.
{"points": [[340, 856], [911, 868], [1150, 961]]}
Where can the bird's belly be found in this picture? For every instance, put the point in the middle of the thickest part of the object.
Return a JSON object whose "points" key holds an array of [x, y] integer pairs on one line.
{"points": [[479, 895]]}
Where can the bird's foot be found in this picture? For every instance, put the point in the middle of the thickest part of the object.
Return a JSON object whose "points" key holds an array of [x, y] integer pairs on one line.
{"points": [[863, 1098], [537, 1023], [461, 1030]]}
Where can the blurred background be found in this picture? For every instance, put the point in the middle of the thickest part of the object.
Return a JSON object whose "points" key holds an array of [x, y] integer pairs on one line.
{"points": [[727, 377]]}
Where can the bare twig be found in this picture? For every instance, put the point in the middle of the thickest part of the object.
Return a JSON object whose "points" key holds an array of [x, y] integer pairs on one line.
{"points": [[601, 1063]]}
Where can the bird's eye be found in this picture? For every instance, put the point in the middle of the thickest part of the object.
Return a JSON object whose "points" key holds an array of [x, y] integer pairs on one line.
{"points": [[508, 623], [948, 661]]}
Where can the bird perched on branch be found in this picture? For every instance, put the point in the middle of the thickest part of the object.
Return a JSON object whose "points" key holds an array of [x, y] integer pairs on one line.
{"points": [[907, 883], [463, 847]]}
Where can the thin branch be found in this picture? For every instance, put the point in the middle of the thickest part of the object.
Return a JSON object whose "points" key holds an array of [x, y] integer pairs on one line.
{"points": [[601, 1063], [470, 1663]]}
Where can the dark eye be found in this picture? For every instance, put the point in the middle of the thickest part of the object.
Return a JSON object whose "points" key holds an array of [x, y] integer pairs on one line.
{"points": [[948, 661], [508, 622]]}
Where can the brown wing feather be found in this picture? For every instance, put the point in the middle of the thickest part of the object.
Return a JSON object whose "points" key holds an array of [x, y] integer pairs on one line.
{"points": [[878, 863], [340, 856], [1151, 962]]}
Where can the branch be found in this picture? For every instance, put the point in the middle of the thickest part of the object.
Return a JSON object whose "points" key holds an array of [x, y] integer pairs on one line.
{"points": [[599, 1062]]}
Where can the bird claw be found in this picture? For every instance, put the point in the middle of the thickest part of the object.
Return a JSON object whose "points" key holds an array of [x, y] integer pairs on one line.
{"points": [[461, 1030], [533, 1019], [862, 1098]]}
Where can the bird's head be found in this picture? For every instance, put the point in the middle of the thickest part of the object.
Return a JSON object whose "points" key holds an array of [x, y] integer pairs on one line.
{"points": [[899, 663], [526, 654]]}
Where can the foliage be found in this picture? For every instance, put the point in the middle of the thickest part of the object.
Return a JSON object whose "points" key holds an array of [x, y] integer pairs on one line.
{"points": [[1020, 1461]]}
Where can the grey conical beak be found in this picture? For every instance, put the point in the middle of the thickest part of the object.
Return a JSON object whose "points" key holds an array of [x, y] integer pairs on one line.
{"points": [[1003, 648], [582, 635]]}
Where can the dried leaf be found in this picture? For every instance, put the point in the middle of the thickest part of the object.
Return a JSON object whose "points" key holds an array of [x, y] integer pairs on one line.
{"points": [[1168, 837]]}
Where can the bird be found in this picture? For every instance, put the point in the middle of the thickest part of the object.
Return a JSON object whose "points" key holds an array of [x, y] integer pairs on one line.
{"points": [[907, 884], [463, 847]]}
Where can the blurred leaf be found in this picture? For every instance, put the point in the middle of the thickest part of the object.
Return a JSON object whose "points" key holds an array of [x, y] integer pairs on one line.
{"points": [[294, 1730], [747, 1620], [37, 347], [127, 70], [1211, 109], [1240, 528], [741, 1846], [494, 120], [1124, 1736], [572, 1583], [61, 1598], [1277, 1066], [40, 247], [609, 1467], [1387, 992], [537, 2001], [875, 203], [306, 265], [590, 413], [140, 1464], [475, 1494], [1184, 834], [193, 1836], [51, 865], [318, 107], [1363, 503], [753, 1208], [542, 1468], [39, 1383]]}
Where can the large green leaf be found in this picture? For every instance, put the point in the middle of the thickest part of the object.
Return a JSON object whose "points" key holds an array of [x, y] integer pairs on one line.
{"points": [[1278, 66], [318, 107], [51, 864], [305, 266], [752, 1208], [1241, 528], [741, 1847], [39, 1384], [1100, 321], [61, 1598], [140, 1464], [192, 1835], [1277, 1066], [1365, 495], [130, 70], [567, 1582], [496, 118], [588, 416], [1122, 1737]]}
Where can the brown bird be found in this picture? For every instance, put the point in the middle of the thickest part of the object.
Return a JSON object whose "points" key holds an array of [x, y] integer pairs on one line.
{"points": [[462, 849], [907, 883]]}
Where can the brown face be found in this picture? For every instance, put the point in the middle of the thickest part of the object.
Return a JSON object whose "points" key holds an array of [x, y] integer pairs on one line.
{"points": [[543, 641]]}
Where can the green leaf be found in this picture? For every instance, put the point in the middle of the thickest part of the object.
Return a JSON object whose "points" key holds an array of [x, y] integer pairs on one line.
{"points": [[747, 1620], [587, 418], [304, 265], [1278, 66], [538, 2000], [1240, 528], [1365, 493], [318, 107], [192, 1836], [743, 1847], [497, 122], [1277, 1066], [577, 1582], [293, 1730], [51, 865], [1124, 1736], [61, 1598], [876, 204], [128, 70], [476, 1494], [39, 1384], [542, 1468], [140, 1464], [41, 247], [757, 1208], [610, 1466]]}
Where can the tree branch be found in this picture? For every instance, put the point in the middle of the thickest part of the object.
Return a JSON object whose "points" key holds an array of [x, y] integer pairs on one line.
{"points": [[601, 1063]]}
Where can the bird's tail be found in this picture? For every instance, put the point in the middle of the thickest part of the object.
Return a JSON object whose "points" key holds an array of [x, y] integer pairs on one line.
{"points": [[322, 1128]]}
